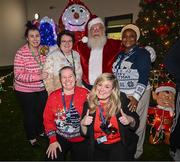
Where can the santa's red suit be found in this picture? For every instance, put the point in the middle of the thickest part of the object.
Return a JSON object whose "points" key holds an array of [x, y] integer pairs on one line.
{"points": [[110, 51]]}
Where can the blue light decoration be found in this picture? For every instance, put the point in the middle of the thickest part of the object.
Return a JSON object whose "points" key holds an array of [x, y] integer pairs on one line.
{"points": [[47, 32]]}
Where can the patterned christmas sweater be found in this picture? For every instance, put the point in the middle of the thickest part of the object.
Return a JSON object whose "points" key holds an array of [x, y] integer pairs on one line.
{"points": [[61, 122], [132, 70], [27, 70]]}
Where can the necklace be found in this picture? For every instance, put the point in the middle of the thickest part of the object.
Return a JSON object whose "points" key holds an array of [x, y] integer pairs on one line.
{"points": [[73, 62], [37, 59], [66, 110]]}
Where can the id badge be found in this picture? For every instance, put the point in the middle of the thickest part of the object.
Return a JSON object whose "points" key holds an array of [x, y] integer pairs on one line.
{"points": [[101, 139]]}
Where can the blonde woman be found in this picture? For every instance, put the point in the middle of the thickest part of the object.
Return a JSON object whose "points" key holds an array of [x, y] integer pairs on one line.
{"points": [[107, 123]]}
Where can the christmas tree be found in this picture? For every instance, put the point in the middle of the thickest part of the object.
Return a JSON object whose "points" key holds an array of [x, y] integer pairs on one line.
{"points": [[159, 22]]}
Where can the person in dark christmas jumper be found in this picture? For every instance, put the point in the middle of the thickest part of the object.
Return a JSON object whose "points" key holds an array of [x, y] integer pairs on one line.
{"points": [[59, 57], [62, 118], [132, 69], [107, 123], [28, 83], [172, 64]]}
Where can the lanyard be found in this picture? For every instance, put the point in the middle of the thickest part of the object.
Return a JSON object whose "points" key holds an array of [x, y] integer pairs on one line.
{"points": [[37, 60], [121, 58], [64, 102], [73, 63], [101, 114]]}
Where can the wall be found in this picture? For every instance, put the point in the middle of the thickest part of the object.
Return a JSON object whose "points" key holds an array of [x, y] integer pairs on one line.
{"points": [[13, 18]]}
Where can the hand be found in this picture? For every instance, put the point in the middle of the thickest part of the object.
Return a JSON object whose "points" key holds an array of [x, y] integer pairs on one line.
{"points": [[132, 104], [125, 119], [52, 150], [87, 120], [44, 75]]}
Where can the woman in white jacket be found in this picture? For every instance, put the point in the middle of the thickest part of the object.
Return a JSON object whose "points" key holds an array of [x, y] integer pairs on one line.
{"points": [[60, 57]]}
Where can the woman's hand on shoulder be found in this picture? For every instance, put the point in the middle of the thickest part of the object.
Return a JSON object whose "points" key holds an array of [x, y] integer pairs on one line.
{"points": [[132, 104], [52, 150]]}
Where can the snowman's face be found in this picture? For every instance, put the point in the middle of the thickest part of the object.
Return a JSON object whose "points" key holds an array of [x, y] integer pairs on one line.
{"points": [[75, 18]]}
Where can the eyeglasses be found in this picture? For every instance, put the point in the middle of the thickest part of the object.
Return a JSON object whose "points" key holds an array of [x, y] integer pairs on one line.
{"points": [[69, 41]]}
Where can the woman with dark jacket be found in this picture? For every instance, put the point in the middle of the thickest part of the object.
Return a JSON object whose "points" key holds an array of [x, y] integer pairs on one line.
{"points": [[107, 123]]}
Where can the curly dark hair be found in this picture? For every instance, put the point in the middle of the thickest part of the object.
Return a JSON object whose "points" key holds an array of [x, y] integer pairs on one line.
{"points": [[65, 32]]}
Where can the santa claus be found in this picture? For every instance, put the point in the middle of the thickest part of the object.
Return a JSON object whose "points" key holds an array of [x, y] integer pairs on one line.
{"points": [[97, 53]]}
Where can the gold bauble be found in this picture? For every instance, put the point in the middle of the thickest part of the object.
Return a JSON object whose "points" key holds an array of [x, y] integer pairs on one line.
{"points": [[44, 50]]}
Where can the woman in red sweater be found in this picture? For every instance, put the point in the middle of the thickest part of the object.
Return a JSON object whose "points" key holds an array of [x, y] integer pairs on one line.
{"points": [[62, 118], [107, 123]]}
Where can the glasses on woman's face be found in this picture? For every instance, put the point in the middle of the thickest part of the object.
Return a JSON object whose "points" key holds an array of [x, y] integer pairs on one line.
{"points": [[66, 41]]}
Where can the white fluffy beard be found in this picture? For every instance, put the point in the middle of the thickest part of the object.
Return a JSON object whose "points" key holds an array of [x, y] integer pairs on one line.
{"points": [[96, 43]]}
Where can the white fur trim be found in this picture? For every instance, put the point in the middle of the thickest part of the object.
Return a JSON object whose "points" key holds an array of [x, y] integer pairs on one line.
{"points": [[165, 88], [84, 39], [152, 53], [95, 21]]}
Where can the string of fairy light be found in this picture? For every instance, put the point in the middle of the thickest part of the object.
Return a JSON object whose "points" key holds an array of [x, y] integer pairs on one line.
{"points": [[2, 81], [159, 22]]}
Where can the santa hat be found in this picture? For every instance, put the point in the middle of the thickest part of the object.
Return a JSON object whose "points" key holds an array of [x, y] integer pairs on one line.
{"points": [[168, 86], [92, 21], [132, 27]]}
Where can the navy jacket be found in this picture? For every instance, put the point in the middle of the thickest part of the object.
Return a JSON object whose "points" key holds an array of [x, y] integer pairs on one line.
{"points": [[132, 70]]}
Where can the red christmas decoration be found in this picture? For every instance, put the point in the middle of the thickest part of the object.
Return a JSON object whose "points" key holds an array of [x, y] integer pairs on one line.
{"points": [[170, 13], [35, 22], [162, 66], [162, 30], [160, 117]]}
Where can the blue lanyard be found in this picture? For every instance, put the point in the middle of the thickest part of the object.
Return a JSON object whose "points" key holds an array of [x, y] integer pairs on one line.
{"points": [[101, 114], [121, 58], [71, 64], [64, 102], [38, 60]]}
